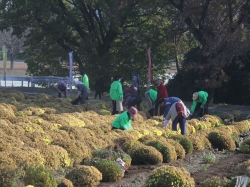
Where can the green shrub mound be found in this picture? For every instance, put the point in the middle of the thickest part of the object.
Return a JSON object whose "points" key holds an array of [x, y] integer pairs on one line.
{"points": [[243, 168], [126, 143], [185, 142], [9, 176], [142, 154], [87, 176], [64, 183], [167, 150], [169, 176], [180, 151], [111, 171], [242, 126], [245, 146], [199, 140], [221, 140], [39, 176], [217, 181], [113, 155]]}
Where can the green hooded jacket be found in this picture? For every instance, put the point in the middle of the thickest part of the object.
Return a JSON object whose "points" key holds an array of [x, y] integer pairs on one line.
{"points": [[152, 94], [115, 91], [122, 121], [202, 98], [85, 80]]}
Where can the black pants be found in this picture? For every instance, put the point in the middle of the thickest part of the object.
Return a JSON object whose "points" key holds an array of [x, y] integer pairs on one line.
{"points": [[156, 108], [98, 94], [199, 112], [114, 111], [76, 101]]}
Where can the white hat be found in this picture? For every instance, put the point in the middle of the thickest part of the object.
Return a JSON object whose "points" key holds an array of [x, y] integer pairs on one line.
{"points": [[195, 96], [159, 78]]}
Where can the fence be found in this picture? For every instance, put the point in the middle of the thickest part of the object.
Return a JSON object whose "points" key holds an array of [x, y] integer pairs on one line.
{"points": [[31, 81]]}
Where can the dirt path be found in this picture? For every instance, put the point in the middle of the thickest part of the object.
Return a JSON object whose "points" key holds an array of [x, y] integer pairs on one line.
{"points": [[226, 166]]}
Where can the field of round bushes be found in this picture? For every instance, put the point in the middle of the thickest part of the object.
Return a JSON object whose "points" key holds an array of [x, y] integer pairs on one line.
{"points": [[42, 135]]}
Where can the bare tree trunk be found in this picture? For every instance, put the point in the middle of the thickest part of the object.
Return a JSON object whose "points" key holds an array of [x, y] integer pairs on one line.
{"points": [[176, 53], [11, 61]]}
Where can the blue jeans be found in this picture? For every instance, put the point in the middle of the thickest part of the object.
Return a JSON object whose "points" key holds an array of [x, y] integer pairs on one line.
{"points": [[182, 121]]}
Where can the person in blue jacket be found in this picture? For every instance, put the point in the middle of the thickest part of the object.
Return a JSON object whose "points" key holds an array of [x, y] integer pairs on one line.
{"points": [[123, 120], [175, 110]]}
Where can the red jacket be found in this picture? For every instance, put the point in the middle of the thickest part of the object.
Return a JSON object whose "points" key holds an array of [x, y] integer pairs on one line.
{"points": [[162, 91]]}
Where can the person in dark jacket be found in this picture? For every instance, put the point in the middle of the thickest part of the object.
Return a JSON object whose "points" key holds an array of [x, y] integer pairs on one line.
{"points": [[128, 90], [123, 120], [136, 83], [161, 94], [200, 105], [99, 88], [132, 100], [62, 89], [82, 93]]}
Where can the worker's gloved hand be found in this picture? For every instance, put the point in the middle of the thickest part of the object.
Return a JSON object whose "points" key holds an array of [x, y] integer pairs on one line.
{"points": [[202, 107], [165, 124]]}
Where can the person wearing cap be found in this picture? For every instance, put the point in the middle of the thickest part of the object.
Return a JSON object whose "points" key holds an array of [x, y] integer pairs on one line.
{"points": [[85, 80], [132, 100], [161, 94], [135, 83], [116, 95], [123, 120], [175, 110], [62, 89], [150, 96], [82, 93], [200, 105]]}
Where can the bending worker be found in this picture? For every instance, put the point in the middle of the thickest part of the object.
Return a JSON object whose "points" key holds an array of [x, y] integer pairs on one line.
{"points": [[62, 89], [200, 105], [175, 109], [132, 100], [82, 93], [150, 96], [123, 120]]}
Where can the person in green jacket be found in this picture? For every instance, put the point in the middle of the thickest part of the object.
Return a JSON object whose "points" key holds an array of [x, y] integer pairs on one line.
{"points": [[200, 105], [85, 80], [151, 96], [123, 120], [116, 94]]}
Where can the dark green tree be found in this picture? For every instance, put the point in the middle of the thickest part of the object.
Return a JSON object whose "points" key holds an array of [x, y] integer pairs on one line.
{"points": [[219, 28], [105, 36]]}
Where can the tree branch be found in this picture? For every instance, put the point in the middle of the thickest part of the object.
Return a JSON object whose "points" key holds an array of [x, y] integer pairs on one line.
{"points": [[204, 13]]}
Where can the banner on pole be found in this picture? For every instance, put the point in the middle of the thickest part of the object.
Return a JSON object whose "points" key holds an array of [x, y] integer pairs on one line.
{"points": [[149, 67]]}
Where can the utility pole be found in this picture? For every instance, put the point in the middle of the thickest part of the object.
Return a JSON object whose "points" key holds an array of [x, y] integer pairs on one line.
{"points": [[4, 52]]}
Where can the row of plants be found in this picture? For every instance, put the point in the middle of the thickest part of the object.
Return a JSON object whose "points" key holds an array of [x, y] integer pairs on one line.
{"points": [[44, 132]]}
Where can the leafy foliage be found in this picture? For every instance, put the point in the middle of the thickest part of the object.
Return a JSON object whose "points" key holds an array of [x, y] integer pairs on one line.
{"points": [[88, 176], [169, 176], [111, 171], [39, 176]]}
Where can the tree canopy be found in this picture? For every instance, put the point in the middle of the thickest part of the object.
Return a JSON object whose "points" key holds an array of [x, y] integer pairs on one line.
{"points": [[112, 36]]}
